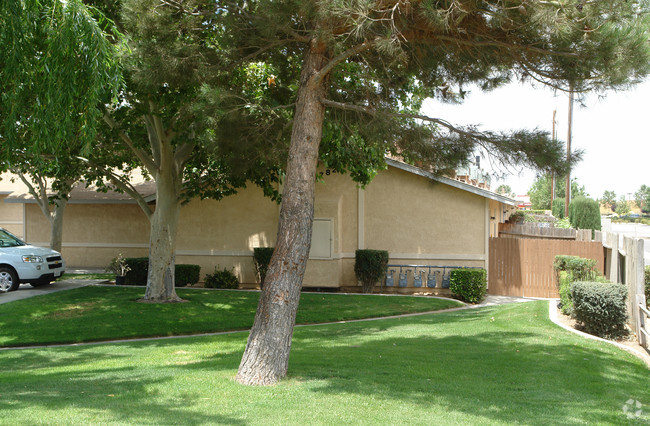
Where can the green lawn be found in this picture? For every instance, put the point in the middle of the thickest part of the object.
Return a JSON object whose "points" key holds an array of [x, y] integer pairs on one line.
{"points": [[105, 312], [501, 365]]}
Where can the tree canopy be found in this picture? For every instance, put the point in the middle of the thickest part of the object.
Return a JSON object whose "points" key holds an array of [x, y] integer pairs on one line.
{"points": [[540, 191]]}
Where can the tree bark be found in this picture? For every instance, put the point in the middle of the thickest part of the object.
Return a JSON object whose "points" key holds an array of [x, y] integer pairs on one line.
{"points": [[266, 358], [56, 224], [164, 226]]}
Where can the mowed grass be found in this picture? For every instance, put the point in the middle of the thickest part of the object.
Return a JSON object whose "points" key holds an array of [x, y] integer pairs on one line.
{"points": [[98, 313], [501, 365]]}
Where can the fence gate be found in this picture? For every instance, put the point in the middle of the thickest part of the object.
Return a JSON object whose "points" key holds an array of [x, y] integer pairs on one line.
{"points": [[524, 267]]}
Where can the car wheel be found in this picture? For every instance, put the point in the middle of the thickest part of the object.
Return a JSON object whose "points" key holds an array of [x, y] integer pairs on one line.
{"points": [[8, 280], [39, 283]]}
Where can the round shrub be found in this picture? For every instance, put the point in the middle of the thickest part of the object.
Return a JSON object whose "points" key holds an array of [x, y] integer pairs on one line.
{"points": [[469, 285], [221, 278], [600, 307], [369, 267]]}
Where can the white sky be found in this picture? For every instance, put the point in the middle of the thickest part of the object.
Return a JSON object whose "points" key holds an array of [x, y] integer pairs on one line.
{"points": [[613, 131]]}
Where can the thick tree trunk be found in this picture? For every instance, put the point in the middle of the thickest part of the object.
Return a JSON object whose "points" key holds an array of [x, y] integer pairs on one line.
{"points": [[56, 224], [162, 242], [266, 358]]}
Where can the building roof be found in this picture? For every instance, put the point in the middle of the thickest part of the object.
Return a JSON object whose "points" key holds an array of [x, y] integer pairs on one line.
{"points": [[452, 182], [84, 194]]}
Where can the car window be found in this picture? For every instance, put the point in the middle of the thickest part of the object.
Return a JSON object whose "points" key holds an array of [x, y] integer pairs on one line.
{"points": [[9, 240]]}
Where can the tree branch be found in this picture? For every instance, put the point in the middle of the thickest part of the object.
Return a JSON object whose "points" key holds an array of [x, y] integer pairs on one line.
{"points": [[124, 186], [142, 155], [353, 51], [375, 112]]}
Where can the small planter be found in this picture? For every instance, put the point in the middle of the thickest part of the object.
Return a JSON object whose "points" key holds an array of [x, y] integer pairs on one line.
{"points": [[120, 280]]}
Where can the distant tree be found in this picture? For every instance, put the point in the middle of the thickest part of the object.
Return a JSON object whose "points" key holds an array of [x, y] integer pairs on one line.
{"points": [[609, 199], [540, 191], [623, 206], [642, 198], [505, 190]]}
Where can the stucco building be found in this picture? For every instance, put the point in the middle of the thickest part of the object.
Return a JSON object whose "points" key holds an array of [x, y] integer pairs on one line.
{"points": [[418, 218]]}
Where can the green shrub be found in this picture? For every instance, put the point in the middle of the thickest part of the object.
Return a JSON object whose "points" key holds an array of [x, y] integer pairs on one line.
{"points": [[137, 275], [557, 208], [565, 281], [584, 213], [369, 267], [580, 268], [600, 307], [261, 259], [187, 275], [221, 278], [470, 285]]}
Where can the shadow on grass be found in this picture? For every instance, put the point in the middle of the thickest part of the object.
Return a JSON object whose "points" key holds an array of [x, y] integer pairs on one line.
{"points": [[501, 364]]}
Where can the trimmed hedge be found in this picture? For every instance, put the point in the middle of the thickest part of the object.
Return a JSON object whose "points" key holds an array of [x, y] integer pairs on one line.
{"points": [[369, 267], [184, 274], [261, 259], [139, 269], [221, 278], [600, 307], [187, 275], [469, 285]]}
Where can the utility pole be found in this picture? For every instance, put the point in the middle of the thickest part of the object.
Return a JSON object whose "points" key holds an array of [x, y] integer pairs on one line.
{"points": [[567, 199], [554, 134]]}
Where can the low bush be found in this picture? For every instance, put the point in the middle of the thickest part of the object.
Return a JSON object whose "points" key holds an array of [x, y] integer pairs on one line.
{"points": [[600, 307], [139, 268], [261, 259], [580, 268], [565, 281], [369, 267], [187, 275], [469, 285], [221, 278], [137, 275]]}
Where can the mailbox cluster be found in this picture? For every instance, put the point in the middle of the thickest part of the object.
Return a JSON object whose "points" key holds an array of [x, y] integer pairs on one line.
{"points": [[423, 275]]}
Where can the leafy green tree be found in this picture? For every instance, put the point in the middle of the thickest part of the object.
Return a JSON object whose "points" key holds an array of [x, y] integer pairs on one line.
{"points": [[169, 117], [505, 190], [609, 199], [642, 198], [57, 67], [623, 207], [540, 191], [365, 67]]}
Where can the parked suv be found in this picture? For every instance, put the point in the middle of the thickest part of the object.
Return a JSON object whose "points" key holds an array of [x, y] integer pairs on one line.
{"points": [[24, 263]]}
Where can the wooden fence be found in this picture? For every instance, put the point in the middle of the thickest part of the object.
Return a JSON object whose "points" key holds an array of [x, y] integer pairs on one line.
{"points": [[625, 265], [524, 266], [537, 230]]}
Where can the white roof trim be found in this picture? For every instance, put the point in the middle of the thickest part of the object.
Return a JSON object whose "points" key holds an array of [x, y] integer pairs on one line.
{"points": [[451, 182]]}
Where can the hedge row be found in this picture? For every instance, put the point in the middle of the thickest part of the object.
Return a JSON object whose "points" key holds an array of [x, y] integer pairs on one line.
{"points": [[184, 274]]}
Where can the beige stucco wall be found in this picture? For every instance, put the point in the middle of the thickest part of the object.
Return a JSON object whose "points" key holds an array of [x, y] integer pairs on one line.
{"points": [[11, 216], [416, 220]]}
